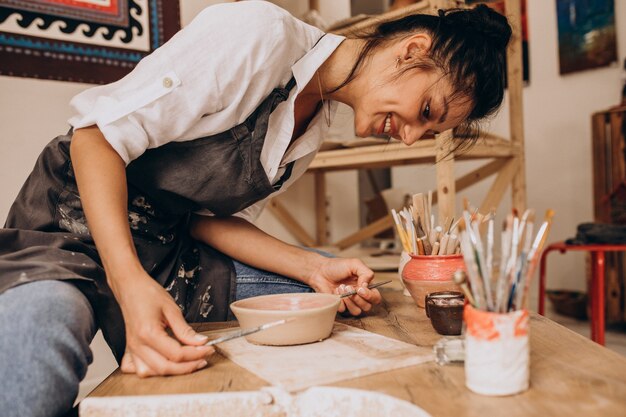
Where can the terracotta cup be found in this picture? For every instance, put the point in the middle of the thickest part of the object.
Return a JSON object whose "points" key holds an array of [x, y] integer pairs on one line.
{"points": [[425, 274], [445, 310]]}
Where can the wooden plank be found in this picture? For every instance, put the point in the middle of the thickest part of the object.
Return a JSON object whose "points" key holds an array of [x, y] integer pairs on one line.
{"points": [[292, 225], [516, 108], [568, 372], [445, 175], [372, 229], [476, 176], [422, 6], [321, 207], [393, 154], [499, 186], [622, 274], [491, 148], [617, 149], [613, 287], [599, 167]]}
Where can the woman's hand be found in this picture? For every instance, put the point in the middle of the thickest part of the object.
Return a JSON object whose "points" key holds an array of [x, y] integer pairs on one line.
{"points": [[243, 241], [342, 275], [149, 311]]}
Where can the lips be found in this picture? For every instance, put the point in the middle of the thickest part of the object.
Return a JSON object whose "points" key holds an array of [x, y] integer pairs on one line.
{"points": [[386, 127]]}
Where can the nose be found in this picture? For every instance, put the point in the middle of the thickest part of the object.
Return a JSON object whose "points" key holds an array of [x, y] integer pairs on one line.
{"points": [[411, 133]]}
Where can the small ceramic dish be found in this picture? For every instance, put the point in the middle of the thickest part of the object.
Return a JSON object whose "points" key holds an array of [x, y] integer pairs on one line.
{"points": [[445, 310], [314, 315]]}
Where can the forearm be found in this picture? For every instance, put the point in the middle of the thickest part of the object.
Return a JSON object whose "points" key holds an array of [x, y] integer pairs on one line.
{"points": [[245, 242], [101, 179]]}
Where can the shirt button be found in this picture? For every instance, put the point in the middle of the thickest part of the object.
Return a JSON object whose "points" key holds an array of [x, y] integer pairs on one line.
{"points": [[167, 82]]}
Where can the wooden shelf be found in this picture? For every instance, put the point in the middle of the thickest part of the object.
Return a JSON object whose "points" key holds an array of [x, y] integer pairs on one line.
{"points": [[395, 154]]}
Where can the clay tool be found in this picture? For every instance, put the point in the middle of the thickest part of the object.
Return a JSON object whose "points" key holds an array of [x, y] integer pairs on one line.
{"points": [[401, 232], [460, 278], [369, 287], [533, 254], [423, 236], [429, 208], [245, 332], [470, 261], [489, 260], [435, 249]]}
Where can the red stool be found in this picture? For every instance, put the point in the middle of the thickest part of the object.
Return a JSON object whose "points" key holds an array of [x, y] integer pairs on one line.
{"points": [[597, 281]]}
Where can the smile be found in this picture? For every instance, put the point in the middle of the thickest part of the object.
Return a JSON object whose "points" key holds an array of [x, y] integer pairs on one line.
{"points": [[387, 127]]}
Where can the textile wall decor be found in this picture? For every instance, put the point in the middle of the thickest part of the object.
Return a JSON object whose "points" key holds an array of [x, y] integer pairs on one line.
{"points": [[586, 34], [91, 41]]}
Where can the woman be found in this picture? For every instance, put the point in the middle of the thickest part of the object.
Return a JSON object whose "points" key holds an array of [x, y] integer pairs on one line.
{"points": [[149, 198]]}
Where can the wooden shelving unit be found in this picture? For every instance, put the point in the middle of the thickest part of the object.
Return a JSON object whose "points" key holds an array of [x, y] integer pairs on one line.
{"points": [[609, 174], [506, 155]]}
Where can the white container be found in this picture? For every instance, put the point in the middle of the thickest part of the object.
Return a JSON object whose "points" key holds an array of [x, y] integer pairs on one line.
{"points": [[497, 359]]}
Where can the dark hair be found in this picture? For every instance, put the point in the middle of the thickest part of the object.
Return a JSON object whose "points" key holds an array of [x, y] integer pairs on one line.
{"points": [[468, 46]]}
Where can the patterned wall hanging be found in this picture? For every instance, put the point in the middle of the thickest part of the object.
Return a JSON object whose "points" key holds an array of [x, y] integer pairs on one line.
{"points": [[91, 41]]}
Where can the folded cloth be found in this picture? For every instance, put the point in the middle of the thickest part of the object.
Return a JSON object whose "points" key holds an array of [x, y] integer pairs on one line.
{"points": [[599, 233]]}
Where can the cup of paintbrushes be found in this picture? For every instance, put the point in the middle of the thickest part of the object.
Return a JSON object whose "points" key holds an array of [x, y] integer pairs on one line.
{"points": [[497, 358], [425, 274]]}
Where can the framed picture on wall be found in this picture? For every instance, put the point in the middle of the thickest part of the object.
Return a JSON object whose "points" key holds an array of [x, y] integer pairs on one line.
{"points": [[90, 41], [586, 34]]}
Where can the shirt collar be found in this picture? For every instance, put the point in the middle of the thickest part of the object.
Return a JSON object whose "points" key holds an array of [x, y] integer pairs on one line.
{"points": [[306, 66]]}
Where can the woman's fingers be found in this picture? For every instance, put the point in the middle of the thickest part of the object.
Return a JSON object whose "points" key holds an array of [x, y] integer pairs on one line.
{"points": [[351, 306], [181, 329], [370, 296], [128, 365], [361, 302], [158, 340], [150, 363], [364, 274]]}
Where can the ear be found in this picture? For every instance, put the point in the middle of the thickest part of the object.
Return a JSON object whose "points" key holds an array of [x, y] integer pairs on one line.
{"points": [[415, 46]]}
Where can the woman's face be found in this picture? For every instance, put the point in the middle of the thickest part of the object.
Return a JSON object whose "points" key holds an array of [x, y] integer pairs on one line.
{"points": [[407, 108]]}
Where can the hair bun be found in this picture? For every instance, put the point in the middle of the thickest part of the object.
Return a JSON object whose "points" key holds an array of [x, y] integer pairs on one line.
{"points": [[483, 21]]}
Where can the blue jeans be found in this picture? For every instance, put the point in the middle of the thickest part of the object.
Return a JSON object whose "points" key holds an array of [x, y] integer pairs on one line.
{"points": [[45, 331], [252, 282]]}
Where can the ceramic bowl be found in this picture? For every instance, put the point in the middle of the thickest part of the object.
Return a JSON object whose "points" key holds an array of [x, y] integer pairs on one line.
{"points": [[314, 315]]}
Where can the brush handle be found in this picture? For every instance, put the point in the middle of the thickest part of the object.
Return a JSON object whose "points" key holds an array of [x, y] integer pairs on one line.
{"points": [[351, 293], [245, 332]]}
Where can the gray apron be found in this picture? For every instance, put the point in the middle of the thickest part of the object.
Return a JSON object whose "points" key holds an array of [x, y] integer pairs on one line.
{"points": [[46, 235]]}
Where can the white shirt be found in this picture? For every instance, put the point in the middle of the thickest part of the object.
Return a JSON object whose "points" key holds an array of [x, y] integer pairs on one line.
{"points": [[209, 78]]}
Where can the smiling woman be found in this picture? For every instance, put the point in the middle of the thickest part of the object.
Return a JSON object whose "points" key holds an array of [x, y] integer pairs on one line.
{"points": [[426, 73], [139, 219]]}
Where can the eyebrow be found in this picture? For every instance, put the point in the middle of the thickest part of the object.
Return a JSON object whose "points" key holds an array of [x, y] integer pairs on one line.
{"points": [[444, 115]]}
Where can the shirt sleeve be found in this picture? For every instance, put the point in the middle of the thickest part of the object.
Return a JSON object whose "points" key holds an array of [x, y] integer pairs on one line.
{"points": [[212, 74]]}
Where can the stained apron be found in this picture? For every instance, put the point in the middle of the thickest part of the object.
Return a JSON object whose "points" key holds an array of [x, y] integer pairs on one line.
{"points": [[46, 236]]}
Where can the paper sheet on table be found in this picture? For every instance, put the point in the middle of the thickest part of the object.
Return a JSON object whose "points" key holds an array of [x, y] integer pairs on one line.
{"points": [[349, 353]]}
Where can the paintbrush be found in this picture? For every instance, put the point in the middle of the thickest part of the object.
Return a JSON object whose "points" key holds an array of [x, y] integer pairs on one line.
{"points": [[245, 332], [378, 284], [460, 278]]}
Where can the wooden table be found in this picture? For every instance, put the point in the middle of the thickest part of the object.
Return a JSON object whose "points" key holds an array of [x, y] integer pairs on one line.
{"points": [[570, 375]]}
